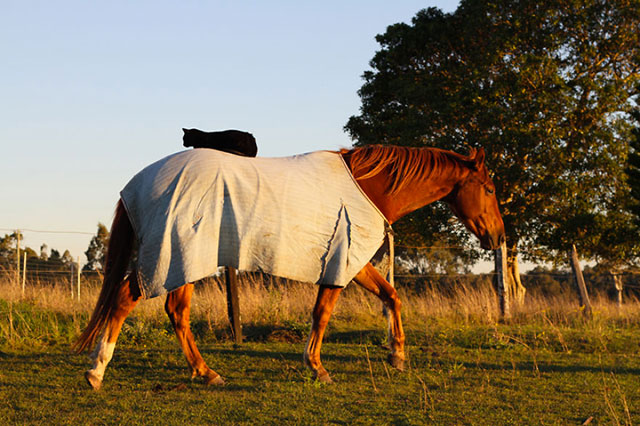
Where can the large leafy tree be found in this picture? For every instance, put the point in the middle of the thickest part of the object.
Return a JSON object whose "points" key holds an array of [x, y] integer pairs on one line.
{"points": [[630, 234], [633, 166], [543, 86]]}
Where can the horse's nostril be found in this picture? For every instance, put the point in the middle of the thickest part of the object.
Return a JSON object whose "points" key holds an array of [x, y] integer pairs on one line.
{"points": [[502, 239]]}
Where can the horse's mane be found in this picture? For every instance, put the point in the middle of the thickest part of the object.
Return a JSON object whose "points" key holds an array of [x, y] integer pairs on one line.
{"points": [[405, 163]]}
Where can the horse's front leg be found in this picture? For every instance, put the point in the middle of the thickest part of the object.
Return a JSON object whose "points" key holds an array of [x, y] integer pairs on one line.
{"points": [[371, 279], [325, 302], [127, 299], [178, 308]]}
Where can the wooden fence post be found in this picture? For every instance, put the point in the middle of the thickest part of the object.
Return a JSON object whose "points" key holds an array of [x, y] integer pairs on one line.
{"points": [[233, 304], [78, 278], [71, 278], [501, 281], [24, 272], [17, 257], [583, 295]]}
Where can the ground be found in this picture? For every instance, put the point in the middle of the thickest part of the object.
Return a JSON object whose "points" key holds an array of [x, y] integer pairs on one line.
{"points": [[468, 374]]}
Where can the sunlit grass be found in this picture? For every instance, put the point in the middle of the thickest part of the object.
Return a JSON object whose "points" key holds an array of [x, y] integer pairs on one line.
{"points": [[269, 304], [547, 365]]}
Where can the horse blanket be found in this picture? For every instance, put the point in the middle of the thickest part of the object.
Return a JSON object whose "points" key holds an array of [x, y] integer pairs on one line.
{"points": [[303, 217]]}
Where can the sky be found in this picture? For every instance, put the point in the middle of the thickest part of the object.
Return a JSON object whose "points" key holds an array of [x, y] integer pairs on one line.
{"points": [[92, 92]]}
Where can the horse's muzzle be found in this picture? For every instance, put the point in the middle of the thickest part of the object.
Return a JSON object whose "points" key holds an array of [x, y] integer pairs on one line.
{"points": [[492, 242]]}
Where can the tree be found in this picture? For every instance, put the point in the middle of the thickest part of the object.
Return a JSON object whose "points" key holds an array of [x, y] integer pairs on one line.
{"points": [[55, 260], [543, 86], [67, 259], [97, 249], [37, 263], [44, 252], [8, 251], [633, 166]]}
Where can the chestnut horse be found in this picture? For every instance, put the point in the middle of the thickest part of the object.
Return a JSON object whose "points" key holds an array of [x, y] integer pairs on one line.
{"points": [[397, 180]]}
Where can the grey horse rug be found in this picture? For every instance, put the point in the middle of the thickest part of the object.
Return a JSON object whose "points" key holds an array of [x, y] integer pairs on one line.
{"points": [[303, 217]]}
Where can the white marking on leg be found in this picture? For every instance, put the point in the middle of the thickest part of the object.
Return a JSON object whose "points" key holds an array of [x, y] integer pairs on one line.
{"points": [[101, 357]]}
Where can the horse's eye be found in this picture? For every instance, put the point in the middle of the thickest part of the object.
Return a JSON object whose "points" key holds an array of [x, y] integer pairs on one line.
{"points": [[490, 191]]}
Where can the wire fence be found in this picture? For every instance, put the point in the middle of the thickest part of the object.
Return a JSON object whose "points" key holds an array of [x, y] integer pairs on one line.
{"points": [[513, 251], [516, 251], [35, 269], [39, 231]]}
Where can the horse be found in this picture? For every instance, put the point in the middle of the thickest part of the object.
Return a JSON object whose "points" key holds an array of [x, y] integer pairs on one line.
{"points": [[397, 180]]}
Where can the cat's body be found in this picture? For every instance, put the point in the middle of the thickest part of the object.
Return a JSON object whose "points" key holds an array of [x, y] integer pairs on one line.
{"points": [[232, 141]]}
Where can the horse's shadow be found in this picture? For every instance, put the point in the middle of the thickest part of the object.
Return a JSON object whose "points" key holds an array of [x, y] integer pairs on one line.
{"points": [[166, 365]]}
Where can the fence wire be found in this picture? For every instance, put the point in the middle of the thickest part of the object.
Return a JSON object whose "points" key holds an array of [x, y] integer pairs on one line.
{"points": [[41, 271]]}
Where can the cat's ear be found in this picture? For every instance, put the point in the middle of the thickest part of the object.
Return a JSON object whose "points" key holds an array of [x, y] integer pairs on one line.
{"points": [[184, 130]]}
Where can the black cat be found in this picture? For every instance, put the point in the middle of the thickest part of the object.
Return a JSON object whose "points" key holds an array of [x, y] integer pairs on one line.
{"points": [[232, 141]]}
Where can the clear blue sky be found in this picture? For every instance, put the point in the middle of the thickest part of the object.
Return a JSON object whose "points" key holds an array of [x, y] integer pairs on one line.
{"points": [[91, 92]]}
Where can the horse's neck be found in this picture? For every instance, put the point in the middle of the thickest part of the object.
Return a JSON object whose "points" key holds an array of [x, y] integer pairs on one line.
{"points": [[416, 191]]}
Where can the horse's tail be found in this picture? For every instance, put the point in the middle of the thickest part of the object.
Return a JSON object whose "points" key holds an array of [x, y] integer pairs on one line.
{"points": [[116, 263]]}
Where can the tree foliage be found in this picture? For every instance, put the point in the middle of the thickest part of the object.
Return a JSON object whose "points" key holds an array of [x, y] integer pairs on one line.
{"points": [[97, 249], [633, 166], [53, 260], [8, 250], [545, 87], [37, 262]]}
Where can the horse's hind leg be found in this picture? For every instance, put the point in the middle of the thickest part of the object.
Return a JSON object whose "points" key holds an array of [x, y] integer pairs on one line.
{"points": [[127, 299], [178, 308], [325, 302], [370, 279]]}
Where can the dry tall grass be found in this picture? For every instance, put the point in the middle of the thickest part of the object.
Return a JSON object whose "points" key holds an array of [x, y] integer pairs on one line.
{"points": [[273, 301]]}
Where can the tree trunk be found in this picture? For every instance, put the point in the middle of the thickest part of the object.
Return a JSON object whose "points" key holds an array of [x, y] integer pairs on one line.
{"points": [[579, 280], [516, 289], [617, 282]]}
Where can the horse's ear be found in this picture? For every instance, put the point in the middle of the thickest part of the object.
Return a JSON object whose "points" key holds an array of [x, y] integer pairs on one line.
{"points": [[478, 159], [184, 130]]}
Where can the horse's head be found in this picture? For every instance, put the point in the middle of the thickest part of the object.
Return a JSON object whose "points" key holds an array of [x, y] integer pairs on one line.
{"points": [[474, 201]]}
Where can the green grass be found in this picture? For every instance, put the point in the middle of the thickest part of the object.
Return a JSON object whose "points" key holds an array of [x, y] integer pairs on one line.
{"points": [[546, 366], [458, 374]]}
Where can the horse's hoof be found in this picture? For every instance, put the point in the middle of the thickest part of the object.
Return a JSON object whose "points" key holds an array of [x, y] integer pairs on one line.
{"points": [[396, 362], [94, 381], [323, 378], [215, 381]]}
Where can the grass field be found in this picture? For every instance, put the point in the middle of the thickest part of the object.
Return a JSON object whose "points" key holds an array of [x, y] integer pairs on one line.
{"points": [[546, 366]]}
